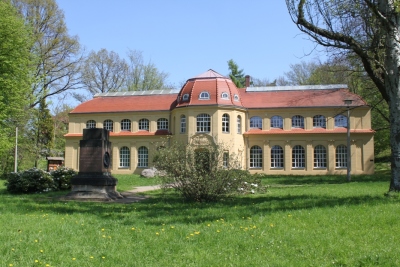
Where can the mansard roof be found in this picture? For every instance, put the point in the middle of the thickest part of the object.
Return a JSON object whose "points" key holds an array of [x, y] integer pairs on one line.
{"points": [[212, 88]]}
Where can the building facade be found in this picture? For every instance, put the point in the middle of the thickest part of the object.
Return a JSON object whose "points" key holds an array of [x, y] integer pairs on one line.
{"points": [[273, 130]]}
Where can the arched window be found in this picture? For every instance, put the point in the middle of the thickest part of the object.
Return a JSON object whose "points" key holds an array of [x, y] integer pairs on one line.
{"points": [[255, 157], [256, 122], [203, 123], [239, 124], [162, 124], [125, 125], [144, 125], [225, 123], [235, 97], [124, 157], [298, 157], [341, 156], [319, 157], [340, 121], [185, 97], [204, 95], [298, 121], [183, 124], [143, 157], [319, 121], [90, 124], [276, 157], [225, 95], [108, 125], [277, 122]]}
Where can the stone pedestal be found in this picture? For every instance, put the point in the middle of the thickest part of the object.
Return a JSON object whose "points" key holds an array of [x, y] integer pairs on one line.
{"points": [[94, 180]]}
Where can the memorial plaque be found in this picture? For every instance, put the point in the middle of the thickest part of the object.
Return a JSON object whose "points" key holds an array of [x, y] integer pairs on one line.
{"points": [[94, 179]]}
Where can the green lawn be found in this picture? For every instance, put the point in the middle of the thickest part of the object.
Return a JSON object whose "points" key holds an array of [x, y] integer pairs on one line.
{"points": [[301, 221]]}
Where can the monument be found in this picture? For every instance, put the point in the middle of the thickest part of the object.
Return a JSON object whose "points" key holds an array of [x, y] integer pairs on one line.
{"points": [[94, 180]]}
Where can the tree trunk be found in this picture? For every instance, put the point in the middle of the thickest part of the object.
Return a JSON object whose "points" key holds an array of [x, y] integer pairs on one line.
{"points": [[392, 87]]}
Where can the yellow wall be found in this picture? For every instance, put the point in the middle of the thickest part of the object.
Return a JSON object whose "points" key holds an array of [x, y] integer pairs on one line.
{"points": [[239, 144]]}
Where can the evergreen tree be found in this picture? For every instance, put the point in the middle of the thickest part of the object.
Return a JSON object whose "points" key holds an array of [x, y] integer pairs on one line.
{"points": [[236, 75]]}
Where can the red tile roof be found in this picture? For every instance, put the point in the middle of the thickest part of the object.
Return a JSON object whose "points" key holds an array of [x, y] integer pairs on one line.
{"points": [[126, 133], [303, 131], [215, 84], [127, 103], [299, 98]]}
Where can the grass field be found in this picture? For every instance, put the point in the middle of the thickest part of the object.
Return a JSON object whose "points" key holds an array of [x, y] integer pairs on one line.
{"points": [[300, 221]]}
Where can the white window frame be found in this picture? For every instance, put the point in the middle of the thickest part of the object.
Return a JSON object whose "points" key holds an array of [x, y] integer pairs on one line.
{"points": [[144, 124], [341, 157], [239, 124], [143, 157], [108, 125], [256, 122], [124, 157], [126, 125], [235, 97], [256, 157], [204, 95], [320, 157], [225, 159], [277, 122], [185, 97], [319, 121], [225, 95], [298, 157], [277, 157], [162, 124], [225, 123], [183, 124], [203, 122], [90, 124], [298, 121], [341, 121]]}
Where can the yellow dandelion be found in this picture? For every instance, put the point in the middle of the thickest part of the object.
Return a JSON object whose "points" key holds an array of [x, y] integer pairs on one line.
{"points": [[191, 234], [41, 251], [104, 236], [272, 225], [133, 228], [162, 230], [197, 232], [73, 259], [12, 249], [218, 231], [91, 257], [102, 229], [103, 257], [47, 264], [157, 233], [172, 227], [36, 240], [36, 261], [208, 225], [10, 264]]}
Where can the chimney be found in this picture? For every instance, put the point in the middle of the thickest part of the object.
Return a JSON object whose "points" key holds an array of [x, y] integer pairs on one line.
{"points": [[247, 83]]}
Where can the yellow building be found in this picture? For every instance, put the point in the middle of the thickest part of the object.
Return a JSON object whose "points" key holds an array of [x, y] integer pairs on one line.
{"points": [[274, 130]]}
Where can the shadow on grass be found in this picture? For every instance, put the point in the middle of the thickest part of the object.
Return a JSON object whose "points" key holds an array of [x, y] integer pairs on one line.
{"points": [[379, 176], [170, 208]]}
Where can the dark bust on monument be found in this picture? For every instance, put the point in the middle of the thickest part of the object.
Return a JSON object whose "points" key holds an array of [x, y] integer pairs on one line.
{"points": [[94, 180]]}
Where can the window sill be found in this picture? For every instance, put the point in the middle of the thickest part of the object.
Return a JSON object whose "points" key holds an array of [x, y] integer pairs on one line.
{"points": [[276, 168], [123, 168], [319, 168]]}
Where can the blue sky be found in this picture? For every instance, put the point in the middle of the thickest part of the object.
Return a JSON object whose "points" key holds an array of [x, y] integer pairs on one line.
{"points": [[186, 38]]}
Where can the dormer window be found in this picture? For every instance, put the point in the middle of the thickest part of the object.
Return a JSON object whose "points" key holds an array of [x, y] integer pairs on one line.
{"points": [[225, 95], [185, 97], [236, 97], [204, 95]]}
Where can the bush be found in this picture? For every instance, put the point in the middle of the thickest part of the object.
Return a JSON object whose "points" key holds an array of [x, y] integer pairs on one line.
{"points": [[62, 177], [36, 180], [30, 181], [203, 173]]}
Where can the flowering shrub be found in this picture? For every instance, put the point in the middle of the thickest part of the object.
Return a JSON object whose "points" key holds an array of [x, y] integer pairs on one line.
{"points": [[29, 181], [62, 177], [203, 173]]}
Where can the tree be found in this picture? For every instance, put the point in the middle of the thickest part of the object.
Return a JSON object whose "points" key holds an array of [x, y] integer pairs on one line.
{"points": [[370, 30], [57, 53], [60, 120], [236, 75], [144, 76], [15, 79], [43, 131], [103, 72]]}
